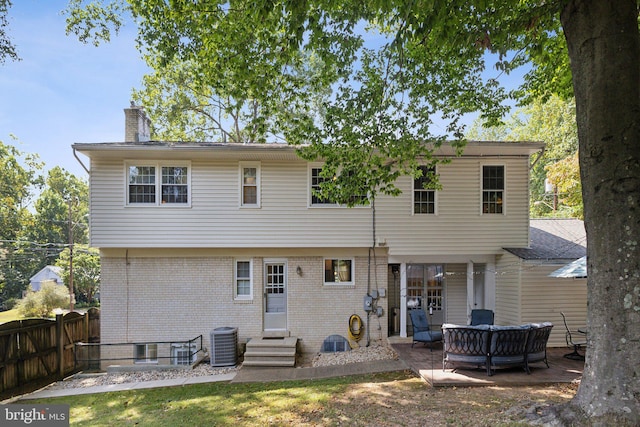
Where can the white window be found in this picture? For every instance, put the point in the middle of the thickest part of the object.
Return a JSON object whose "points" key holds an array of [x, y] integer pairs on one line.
{"points": [[316, 180], [183, 354], [424, 199], [425, 286], [250, 184], [492, 189], [338, 271], [243, 274], [156, 183], [358, 197], [146, 353]]}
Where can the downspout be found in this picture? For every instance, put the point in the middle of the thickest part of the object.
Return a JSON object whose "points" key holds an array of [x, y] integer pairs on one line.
{"points": [[373, 248], [80, 161]]}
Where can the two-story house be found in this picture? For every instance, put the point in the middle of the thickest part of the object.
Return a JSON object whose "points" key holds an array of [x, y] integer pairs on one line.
{"points": [[197, 236]]}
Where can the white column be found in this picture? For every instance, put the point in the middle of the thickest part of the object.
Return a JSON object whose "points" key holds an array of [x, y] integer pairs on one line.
{"points": [[470, 289], [403, 300], [490, 286]]}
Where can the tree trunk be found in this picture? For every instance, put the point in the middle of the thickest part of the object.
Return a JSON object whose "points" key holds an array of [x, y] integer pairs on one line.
{"points": [[604, 48]]}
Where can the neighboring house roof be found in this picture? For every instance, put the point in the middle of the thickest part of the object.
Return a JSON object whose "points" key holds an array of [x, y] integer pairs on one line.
{"points": [[50, 272], [554, 238]]}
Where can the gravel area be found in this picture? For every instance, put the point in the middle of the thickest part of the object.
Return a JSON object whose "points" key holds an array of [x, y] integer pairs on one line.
{"points": [[363, 354], [101, 379]]}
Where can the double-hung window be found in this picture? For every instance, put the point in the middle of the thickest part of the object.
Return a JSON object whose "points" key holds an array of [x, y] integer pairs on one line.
{"points": [[346, 180], [316, 181], [250, 184], [338, 271], [243, 288], [492, 189], [158, 183], [175, 184], [142, 184], [424, 198]]}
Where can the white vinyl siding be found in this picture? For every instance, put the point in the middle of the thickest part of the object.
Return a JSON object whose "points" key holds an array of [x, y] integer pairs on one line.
{"points": [[285, 220], [456, 294], [526, 294], [459, 228], [508, 290], [544, 298]]}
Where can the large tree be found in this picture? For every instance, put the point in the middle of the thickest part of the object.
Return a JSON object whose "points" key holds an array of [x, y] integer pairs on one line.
{"points": [[59, 213], [554, 122], [19, 178], [397, 67]]}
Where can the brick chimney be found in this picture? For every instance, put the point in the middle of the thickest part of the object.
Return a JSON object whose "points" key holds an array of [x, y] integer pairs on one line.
{"points": [[137, 126]]}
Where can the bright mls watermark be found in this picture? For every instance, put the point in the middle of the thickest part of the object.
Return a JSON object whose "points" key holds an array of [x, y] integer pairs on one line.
{"points": [[34, 415]]}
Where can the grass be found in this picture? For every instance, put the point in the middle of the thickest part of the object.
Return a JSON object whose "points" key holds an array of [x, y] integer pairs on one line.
{"points": [[9, 315], [383, 399]]}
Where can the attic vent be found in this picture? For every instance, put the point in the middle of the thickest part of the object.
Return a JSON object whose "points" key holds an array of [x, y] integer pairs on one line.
{"points": [[224, 344], [335, 343]]}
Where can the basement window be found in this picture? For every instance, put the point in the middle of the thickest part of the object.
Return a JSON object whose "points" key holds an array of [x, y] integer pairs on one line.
{"points": [[183, 354], [146, 353]]}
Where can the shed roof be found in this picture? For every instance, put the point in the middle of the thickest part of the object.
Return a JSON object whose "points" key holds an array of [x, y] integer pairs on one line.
{"points": [[554, 238]]}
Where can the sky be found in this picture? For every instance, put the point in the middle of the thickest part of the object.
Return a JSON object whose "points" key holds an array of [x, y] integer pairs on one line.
{"points": [[62, 91]]}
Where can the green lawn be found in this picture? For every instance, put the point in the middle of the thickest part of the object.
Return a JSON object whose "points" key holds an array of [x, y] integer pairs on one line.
{"points": [[9, 315], [390, 399]]}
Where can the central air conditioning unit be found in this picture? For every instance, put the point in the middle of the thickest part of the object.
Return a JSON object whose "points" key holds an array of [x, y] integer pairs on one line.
{"points": [[224, 346]]}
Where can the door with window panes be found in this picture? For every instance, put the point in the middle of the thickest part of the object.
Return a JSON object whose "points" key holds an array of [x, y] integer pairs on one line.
{"points": [[275, 296], [425, 290]]}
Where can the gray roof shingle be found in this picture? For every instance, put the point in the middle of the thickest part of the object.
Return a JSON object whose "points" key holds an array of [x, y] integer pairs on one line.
{"points": [[554, 238]]}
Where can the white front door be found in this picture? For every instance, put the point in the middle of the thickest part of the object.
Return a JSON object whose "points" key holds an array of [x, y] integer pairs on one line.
{"points": [[275, 296]]}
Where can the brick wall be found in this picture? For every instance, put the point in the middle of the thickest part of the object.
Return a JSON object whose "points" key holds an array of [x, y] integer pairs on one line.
{"points": [[179, 298]]}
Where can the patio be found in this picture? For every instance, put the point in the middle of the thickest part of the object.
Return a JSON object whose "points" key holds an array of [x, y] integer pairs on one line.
{"points": [[428, 364]]}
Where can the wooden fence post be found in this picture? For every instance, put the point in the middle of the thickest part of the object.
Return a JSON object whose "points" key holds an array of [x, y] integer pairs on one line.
{"points": [[60, 344], [86, 327]]}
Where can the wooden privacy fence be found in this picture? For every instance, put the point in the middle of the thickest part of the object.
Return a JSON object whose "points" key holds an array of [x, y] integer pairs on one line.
{"points": [[41, 350]]}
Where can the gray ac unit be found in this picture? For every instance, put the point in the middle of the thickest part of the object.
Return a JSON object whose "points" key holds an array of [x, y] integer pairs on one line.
{"points": [[224, 346]]}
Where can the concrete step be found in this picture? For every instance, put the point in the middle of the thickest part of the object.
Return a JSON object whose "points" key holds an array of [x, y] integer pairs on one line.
{"points": [[280, 342], [273, 352], [270, 363], [270, 351]]}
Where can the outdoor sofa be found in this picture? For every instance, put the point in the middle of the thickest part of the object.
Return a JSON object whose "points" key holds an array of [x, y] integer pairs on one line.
{"points": [[495, 346]]}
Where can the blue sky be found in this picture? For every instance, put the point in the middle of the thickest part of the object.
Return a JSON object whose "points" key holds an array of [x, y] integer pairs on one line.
{"points": [[63, 92]]}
